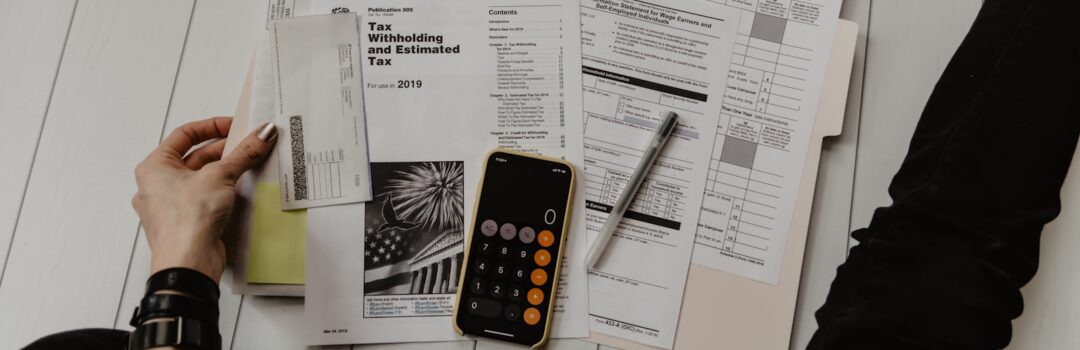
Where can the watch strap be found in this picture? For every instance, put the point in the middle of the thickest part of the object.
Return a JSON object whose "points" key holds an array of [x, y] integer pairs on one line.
{"points": [[179, 332], [173, 305], [185, 281]]}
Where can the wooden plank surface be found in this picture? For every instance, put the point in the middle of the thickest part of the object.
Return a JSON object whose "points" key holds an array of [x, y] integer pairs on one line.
{"points": [[73, 243], [218, 49], [826, 242], [71, 249], [32, 35]]}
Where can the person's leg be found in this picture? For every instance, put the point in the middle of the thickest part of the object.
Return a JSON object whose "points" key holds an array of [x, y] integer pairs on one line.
{"points": [[942, 267]]}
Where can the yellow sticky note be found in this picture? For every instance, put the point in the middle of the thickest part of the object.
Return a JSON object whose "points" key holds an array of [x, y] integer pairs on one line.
{"points": [[278, 245]]}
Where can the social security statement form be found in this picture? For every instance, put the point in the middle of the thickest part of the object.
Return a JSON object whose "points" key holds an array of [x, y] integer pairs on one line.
{"points": [[639, 60], [444, 82]]}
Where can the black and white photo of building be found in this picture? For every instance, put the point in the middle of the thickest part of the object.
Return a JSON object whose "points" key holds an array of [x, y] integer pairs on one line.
{"points": [[413, 234]]}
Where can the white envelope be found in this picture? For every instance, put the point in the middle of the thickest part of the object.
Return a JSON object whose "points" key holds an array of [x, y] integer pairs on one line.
{"points": [[319, 106]]}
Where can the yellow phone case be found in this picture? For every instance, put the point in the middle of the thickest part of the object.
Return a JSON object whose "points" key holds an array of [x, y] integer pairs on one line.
{"points": [[559, 255]]}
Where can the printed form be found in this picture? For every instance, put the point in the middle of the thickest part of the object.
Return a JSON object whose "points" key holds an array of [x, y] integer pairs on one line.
{"points": [[316, 66], [444, 82], [639, 60], [777, 68]]}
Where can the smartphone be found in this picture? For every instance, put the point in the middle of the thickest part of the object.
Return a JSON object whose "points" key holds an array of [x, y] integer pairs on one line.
{"points": [[511, 270]]}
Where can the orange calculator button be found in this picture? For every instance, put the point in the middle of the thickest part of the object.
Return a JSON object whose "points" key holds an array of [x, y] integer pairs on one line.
{"points": [[542, 257], [546, 238], [539, 277], [536, 296], [532, 316]]}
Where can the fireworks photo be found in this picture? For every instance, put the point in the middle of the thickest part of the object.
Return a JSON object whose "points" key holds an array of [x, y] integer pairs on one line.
{"points": [[413, 239]]}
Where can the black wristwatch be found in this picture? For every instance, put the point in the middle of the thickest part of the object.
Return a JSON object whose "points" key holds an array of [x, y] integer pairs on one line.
{"points": [[179, 332]]}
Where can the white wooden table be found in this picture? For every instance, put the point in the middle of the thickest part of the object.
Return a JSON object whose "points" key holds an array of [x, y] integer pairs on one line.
{"points": [[87, 88]]}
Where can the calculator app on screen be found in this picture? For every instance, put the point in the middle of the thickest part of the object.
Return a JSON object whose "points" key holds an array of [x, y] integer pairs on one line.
{"points": [[509, 278]]}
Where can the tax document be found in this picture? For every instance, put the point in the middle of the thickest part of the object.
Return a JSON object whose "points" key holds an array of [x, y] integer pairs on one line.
{"points": [[444, 83], [770, 101], [639, 60], [323, 156]]}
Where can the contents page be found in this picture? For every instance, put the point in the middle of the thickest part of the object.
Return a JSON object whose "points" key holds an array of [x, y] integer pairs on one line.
{"points": [[640, 60], [444, 83]]}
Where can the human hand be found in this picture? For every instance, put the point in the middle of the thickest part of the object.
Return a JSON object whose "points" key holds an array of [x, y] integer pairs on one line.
{"points": [[185, 201]]}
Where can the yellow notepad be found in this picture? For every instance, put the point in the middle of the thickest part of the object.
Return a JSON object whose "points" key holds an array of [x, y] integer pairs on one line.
{"points": [[278, 245]]}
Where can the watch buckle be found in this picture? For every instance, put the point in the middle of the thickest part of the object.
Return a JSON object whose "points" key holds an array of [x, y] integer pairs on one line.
{"points": [[179, 330]]}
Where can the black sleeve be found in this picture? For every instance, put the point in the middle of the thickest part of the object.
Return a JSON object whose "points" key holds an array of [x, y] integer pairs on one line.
{"points": [[942, 267], [83, 339]]}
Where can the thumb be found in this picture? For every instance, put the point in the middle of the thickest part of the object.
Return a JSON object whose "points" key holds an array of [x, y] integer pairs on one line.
{"points": [[250, 152]]}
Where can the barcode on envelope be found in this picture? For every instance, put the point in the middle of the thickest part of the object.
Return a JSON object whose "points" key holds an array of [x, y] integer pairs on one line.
{"points": [[299, 168]]}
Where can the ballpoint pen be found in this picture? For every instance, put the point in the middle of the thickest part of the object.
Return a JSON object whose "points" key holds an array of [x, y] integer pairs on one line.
{"points": [[663, 132]]}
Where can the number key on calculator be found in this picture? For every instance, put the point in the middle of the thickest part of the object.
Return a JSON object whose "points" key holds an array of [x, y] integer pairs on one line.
{"points": [[515, 277]]}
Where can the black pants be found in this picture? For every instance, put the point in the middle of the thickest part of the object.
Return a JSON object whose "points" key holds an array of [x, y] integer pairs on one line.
{"points": [[942, 267]]}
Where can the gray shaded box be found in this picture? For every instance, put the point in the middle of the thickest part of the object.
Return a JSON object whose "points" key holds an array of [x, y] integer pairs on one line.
{"points": [[738, 152], [768, 28]]}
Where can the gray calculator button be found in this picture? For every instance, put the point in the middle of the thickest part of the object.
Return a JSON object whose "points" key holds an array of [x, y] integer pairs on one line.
{"points": [[512, 312], [484, 307], [516, 293], [527, 235], [498, 290], [508, 231], [477, 286], [489, 227]]}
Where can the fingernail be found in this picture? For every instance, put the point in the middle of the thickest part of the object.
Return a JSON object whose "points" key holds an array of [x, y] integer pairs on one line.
{"points": [[267, 132]]}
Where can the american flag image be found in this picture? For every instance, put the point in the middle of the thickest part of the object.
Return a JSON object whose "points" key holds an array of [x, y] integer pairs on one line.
{"points": [[386, 254], [415, 219]]}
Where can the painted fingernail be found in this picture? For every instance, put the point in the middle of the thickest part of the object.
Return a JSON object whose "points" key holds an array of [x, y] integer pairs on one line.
{"points": [[267, 132]]}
